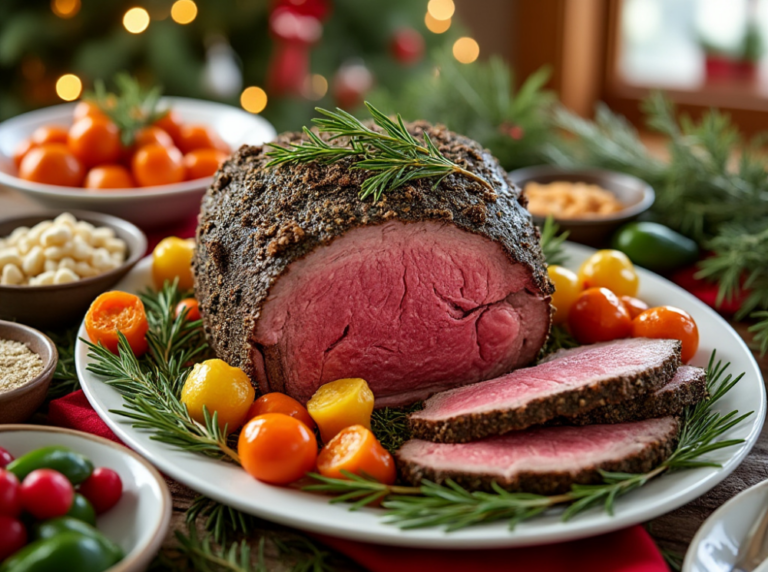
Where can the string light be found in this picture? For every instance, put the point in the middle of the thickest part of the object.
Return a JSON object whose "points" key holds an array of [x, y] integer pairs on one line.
{"points": [[136, 20], [436, 26], [183, 11], [466, 50], [253, 99], [441, 9], [315, 87], [69, 87], [65, 8]]}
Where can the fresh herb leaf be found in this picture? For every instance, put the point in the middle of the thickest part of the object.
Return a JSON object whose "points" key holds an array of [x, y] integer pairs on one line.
{"points": [[65, 379], [390, 425], [552, 242], [391, 152], [559, 339]]}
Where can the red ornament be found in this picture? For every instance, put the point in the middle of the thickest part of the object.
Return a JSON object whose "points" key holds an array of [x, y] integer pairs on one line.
{"points": [[316, 8], [350, 84], [294, 33], [407, 46]]}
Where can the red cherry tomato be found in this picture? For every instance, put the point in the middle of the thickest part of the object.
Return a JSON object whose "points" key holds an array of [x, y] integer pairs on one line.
{"points": [[103, 488], [670, 323], [5, 458], [10, 494], [49, 134], [598, 316], [193, 309], [634, 306], [13, 536], [46, 493]]}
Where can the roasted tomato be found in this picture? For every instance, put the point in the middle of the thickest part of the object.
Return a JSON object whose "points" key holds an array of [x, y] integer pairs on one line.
{"points": [[567, 289], [668, 322], [200, 137], [598, 316], [277, 449], [52, 164], [109, 177], [192, 307], [172, 258], [203, 162], [356, 450], [95, 141], [339, 404], [610, 269], [155, 164], [281, 403], [118, 311]]}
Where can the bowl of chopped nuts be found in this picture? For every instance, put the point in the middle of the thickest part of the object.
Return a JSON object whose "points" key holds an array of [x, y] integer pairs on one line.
{"points": [[27, 362], [52, 265], [589, 203]]}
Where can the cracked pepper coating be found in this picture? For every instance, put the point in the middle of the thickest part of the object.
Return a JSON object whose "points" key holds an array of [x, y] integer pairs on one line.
{"points": [[257, 222]]}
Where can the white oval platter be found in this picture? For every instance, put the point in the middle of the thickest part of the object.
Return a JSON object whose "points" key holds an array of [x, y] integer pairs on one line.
{"points": [[231, 485]]}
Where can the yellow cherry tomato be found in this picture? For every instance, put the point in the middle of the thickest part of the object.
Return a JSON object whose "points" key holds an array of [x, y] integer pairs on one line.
{"points": [[610, 269], [567, 289], [173, 258], [341, 404], [222, 389]]}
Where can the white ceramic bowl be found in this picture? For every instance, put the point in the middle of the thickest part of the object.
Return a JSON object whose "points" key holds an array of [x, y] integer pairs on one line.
{"points": [[147, 206], [139, 521]]}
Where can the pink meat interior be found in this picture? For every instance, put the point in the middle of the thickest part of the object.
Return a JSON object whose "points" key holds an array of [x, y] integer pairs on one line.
{"points": [[411, 308], [541, 449], [567, 370], [684, 375]]}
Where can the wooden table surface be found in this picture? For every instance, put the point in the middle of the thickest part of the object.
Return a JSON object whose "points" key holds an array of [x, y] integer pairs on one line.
{"points": [[672, 531]]}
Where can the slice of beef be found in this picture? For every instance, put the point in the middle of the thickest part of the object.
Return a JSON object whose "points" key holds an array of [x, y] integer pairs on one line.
{"points": [[301, 283], [569, 383], [687, 387], [542, 460]]}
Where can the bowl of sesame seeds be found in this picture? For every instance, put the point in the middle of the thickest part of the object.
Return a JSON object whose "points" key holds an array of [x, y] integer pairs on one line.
{"points": [[27, 363]]}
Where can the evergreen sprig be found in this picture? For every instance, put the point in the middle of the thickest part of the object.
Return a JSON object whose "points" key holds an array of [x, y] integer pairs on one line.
{"points": [[552, 242], [390, 152], [65, 378], [151, 387], [453, 507], [390, 425]]}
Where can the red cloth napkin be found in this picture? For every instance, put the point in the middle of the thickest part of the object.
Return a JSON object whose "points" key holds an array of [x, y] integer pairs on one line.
{"points": [[628, 550]]}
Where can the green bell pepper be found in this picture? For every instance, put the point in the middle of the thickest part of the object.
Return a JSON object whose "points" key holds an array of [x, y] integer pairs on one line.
{"points": [[62, 459], [68, 550], [82, 509], [655, 246], [56, 526]]}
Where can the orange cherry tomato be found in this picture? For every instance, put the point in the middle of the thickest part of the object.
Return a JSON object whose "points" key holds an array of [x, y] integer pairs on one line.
{"points": [[277, 449], [634, 306], [87, 109], [281, 403], [154, 164], [668, 322], [152, 134], [95, 141], [193, 313], [203, 162], [49, 134], [109, 177], [113, 312], [21, 150], [52, 164], [171, 124], [200, 137], [356, 450], [598, 316]]}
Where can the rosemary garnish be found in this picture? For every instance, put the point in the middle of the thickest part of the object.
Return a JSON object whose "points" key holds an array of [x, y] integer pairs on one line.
{"points": [[65, 379], [453, 507], [552, 242], [392, 153], [151, 386], [390, 425], [131, 109], [559, 339]]}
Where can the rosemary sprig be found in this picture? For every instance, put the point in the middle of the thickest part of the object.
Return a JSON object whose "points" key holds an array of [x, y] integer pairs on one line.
{"points": [[391, 152], [453, 507], [552, 242], [131, 108], [219, 519], [151, 386], [390, 425], [65, 378], [559, 339]]}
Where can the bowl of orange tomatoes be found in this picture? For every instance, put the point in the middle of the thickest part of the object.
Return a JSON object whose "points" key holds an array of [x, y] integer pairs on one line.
{"points": [[151, 172]]}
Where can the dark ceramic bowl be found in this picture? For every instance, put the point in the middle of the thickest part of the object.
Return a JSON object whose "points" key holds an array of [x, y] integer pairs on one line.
{"points": [[19, 404], [61, 305], [636, 195]]}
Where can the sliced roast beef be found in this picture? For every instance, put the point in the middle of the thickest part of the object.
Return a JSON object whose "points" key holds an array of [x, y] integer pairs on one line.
{"points": [[301, 283], [542, 460], [687, 387], [571, 382]]}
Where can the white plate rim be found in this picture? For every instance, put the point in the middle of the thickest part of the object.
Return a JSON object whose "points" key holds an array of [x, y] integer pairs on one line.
{"points": [[370, 529]]}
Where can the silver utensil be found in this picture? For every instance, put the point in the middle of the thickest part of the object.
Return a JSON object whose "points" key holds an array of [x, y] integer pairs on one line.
{"points": [[754, 549]]}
